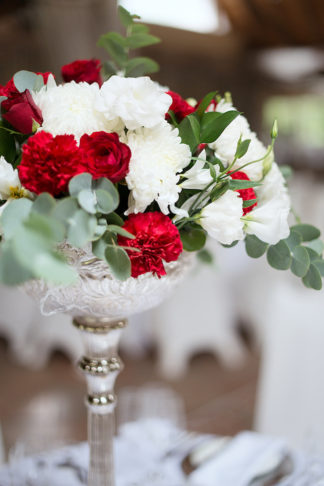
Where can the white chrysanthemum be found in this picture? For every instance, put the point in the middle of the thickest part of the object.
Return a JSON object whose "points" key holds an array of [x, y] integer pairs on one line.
{"points": [[69, 109], [157, 157], [10, 185], [225, 145], [138, 102], [222, 218], [197, 177], [269, 219]]}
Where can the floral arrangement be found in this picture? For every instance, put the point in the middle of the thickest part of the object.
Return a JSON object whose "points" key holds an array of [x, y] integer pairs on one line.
{"points": [[113, 160]]}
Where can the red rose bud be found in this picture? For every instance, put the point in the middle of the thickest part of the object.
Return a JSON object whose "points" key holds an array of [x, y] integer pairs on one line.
{"points": [[21, 112], [179, 106], [245, 194], [48, 163], [156, 237], [104, 155], [82, 70]]}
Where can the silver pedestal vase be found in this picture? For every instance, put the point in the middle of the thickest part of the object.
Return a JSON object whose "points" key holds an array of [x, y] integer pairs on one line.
{"points": [[99, 305]]}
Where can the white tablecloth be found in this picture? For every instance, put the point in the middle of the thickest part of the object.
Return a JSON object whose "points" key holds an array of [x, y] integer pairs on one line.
{"points": [[149, 453]]}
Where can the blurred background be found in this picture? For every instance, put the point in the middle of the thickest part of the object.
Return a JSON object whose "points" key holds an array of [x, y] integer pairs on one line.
{"points": [[239, 346]]}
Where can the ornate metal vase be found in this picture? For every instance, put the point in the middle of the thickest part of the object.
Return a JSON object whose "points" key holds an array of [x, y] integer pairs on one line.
{"points": [[100, 305]]}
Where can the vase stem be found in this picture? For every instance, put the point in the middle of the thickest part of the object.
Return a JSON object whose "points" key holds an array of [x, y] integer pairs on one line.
{"points": [[101, 366]]}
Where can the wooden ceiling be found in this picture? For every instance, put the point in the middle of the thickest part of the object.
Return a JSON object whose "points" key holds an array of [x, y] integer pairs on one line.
{"points": [[277, 22]]}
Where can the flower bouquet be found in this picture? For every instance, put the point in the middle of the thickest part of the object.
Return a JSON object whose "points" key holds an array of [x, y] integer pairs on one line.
{"points": [[108, 181]]}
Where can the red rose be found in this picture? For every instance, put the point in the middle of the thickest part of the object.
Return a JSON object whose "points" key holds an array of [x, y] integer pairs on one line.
{"points": [[179, 106], [21, 111], [157, 238], [48, 163], [104, 155], [82, 70], [246, 194]]}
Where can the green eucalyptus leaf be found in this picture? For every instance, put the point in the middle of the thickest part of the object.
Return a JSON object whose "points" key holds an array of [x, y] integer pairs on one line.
{"points": [[13, 216], [105, 202], [213, 124], [193, 239], [313, 255], [307, 231], [12, 272], [279, 256], [81, 229], [313, 278], [98, 248], [300, 262], [294, 239], [135, 41], [189, 132], [205, 102], [50, 266], [205, 256], [44, 204], [88, 201], [120, 231], [231, 245], [46, 227], [79, 182], [255, 248], [118, 261], [39, 83], [106, 185], [65, 209], [139, 66], [316, 245], [25, 80], [319, 264]]}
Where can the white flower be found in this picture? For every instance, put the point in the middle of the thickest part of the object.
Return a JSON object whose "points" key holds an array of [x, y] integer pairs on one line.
{"points": [[157, 157], [10, 185], [269, 219], [225, 145], [197, 177], [222, 218], [138, 102], [69, 109]]}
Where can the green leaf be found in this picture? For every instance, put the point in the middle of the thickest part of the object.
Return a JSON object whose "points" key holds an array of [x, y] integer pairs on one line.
{"points": [[205, 102], [254, 247], [139, 28], [88, 201], [279, 256], [231, 245], [237, 184], [189, 130], [109, 68], [139, 66], [44, 204], [316, 245], [7, 145], [80, 182], [300, 262], [294, 239], [136, 41], [114, 218], [313, 255], [13, 216], [120, 231], [98, 248], [205, 256], [219, 190], [25, 80], [249, 203], [108, 186], [12, 272], [116, 45], [212, 171], [125, 17], [81, 229], [105, 201], [319, 264], [242, 148], [193, 239], [65, 210], [213, 124], [313, 278], [39, 83], [45, 226], [286, 171], [307, 231], [118, 261], [50, 266]]}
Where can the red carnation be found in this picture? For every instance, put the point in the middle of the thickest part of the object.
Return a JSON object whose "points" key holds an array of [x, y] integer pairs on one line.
{"points": [[104, 155], [48, 163], [82, 70], [179, 106], [246, 194], [157, 238], [21, 111]]}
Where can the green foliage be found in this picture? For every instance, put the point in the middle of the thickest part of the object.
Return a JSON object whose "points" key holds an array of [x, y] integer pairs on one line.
{"points": [[119, 46], [242, 148], [7, 143], [14, 215], [213, 124], [300, 262], [255, 248], [307, 231], [25, 80], [193, 238], [237, 184], [279, 256], [205, 102], [189, 131], [118, 261], [205, 256]]}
